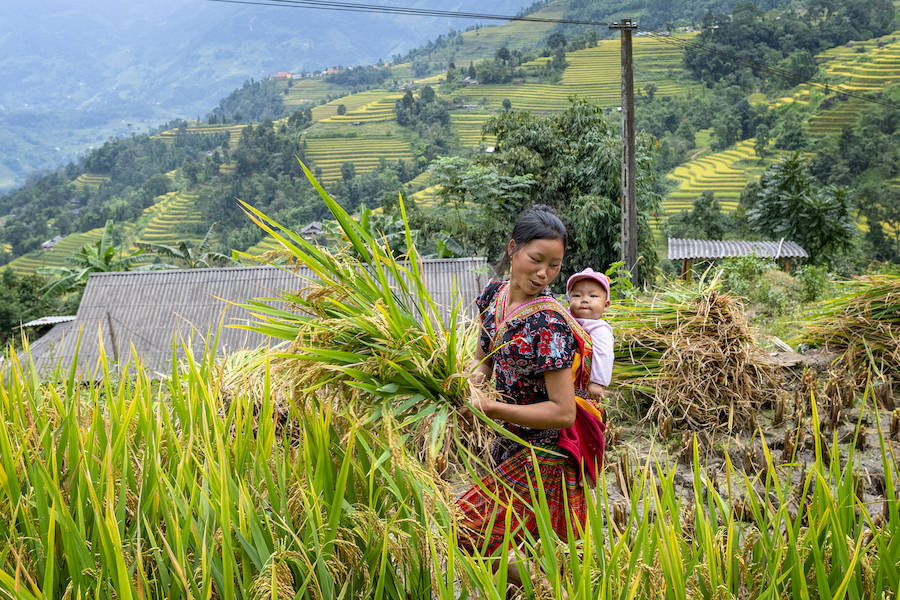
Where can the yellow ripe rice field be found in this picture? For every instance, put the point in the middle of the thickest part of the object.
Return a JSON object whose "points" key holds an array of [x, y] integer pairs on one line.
{"points": [[175, 209], [468, 124], [381, 109], [867, 71], [364, 152], [309, 89], [234, 132], [25, 265], [87, 180]]}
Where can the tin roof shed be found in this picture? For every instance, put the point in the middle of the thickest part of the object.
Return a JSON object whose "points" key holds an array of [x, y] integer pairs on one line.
{"points": [[150, 310], [690, 250]]}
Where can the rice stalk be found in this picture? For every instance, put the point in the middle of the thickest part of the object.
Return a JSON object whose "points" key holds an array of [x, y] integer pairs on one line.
{"points": [[862, 323], [692, 352]]}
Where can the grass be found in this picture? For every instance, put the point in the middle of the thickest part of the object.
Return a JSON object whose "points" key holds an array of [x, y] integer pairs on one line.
{"points": [[227, 479]]}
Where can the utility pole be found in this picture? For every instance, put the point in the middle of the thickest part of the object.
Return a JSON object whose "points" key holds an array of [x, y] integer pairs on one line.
{"points": [[629, 167]]}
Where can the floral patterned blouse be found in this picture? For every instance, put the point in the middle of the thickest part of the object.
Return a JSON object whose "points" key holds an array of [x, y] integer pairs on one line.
{"points": [[531, 345]]}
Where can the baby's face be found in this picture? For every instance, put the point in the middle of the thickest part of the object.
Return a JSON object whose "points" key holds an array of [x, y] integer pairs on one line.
{"points": [[588, 299]]}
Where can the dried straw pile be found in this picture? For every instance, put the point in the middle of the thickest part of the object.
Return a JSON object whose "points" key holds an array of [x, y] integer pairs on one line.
{"points": [[863, 324], [693, 354]]}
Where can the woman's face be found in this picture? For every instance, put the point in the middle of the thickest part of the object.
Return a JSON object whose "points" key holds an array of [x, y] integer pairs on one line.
{"points": [[534, 265]]}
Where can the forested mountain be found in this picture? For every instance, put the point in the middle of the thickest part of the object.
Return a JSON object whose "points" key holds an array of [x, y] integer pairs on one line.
{"points": [[73, 74]]}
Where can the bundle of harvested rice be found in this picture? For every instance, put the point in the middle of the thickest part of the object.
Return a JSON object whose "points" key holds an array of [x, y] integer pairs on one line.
{"points": [[862, 323], [366, 332], [693, 353]]}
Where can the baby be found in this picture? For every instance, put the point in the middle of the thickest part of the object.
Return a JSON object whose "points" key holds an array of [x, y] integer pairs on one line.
{"points": [[588, 299]]}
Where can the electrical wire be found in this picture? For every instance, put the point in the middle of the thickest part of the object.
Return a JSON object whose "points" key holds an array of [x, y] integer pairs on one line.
{"points": [[399, 10], [690, 46]]}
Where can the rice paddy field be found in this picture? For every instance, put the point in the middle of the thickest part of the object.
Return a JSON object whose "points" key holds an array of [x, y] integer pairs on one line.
{"points": [[89, 181], [25, 265], [365, 152], [234, 132], [864, 67], [175, 209], [725, 173], [381, 108], [328, 467]]}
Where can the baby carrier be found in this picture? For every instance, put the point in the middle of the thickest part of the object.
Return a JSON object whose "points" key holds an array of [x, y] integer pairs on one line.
{"points": [[584, 440]]}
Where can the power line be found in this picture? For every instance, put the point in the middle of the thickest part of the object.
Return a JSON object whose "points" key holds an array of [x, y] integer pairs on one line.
{"points": [[697, 47], [400, 10]]}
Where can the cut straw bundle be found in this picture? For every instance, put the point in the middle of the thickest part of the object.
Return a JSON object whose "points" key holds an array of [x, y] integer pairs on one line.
{"points": [[692, 352], [366, 332], [863, 324]]}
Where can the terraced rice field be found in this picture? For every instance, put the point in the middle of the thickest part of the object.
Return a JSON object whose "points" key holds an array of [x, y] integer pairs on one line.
{"points": [[863, 72], [267, 244], [87, 180], [25, 265], [468, 124], [352, 102], [234, 132], [381, 109], [718, 173], [312, 89], [481, 44], [364, 152], [593, 73], [176, 209]]}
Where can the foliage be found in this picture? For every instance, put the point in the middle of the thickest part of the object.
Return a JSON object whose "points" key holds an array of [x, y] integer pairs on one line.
{"points": [[253, 102], [788, 37], [93, 258], [705, 221], [21, 301], [575, 159], [188, 256], [788, 207], [480, 202]]}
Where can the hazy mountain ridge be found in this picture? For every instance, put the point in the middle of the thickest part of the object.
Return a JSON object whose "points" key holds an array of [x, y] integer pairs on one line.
{"points": [[146, 63]]}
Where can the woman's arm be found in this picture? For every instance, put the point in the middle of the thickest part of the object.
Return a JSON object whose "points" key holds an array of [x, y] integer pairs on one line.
{"points": [[557, 413], [482, 367]]}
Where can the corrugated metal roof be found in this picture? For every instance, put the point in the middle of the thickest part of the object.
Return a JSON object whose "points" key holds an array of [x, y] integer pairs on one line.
{"points": [[147, 310], [49, 321], [696, 249]]}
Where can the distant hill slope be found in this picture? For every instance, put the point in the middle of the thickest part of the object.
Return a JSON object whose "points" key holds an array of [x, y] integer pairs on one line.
{"points": [[74, 74]]}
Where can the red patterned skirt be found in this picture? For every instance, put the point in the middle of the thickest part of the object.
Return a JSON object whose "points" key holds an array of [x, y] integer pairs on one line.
{"points": [[509, 488]]}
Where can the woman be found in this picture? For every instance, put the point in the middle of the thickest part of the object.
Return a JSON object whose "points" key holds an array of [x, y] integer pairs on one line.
{"points": [[530, 354]]}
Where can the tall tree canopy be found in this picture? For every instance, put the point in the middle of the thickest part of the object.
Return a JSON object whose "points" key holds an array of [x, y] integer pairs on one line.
{"points": [[570, 161]]}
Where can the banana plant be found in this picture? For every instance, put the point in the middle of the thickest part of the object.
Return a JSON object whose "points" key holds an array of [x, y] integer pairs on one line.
{"points": [[99, 257]]}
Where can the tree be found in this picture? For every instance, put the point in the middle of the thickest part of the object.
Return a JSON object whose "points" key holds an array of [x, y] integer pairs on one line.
{"points": [[507, 104], [705, 221], [761, 145], [556, 40], [650, 89], [792, 136], [341, 109], [348, 171], [189, 256], [190, 170], [788, 207], [99, 257], [574, 160]]}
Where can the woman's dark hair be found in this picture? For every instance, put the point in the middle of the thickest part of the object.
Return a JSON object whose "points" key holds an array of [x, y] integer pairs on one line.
{"points": [[536, 223]]}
